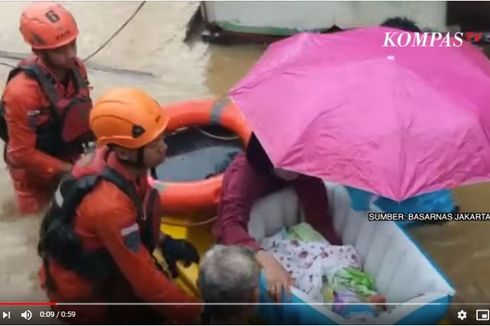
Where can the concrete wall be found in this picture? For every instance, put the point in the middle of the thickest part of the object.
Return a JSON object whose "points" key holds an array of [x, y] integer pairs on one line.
{"points": [[311, 15]]}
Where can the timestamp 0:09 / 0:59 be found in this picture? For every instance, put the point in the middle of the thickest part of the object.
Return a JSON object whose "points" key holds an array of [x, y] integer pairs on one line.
{"points": [[57, 314]]}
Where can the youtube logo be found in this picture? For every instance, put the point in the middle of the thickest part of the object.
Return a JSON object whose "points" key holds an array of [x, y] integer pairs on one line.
{"points": [[6, 315]]}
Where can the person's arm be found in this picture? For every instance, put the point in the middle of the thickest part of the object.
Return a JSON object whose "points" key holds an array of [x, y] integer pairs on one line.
{"points": [[313, 199], [21, 148], [279, 281], [241, 187], [119, 232]]}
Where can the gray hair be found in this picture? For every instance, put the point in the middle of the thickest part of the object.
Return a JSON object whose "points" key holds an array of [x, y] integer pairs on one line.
{"points": [[228, 274]]}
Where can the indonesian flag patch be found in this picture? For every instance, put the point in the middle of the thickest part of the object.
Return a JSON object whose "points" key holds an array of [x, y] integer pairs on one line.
{"points": [[131, 237]]}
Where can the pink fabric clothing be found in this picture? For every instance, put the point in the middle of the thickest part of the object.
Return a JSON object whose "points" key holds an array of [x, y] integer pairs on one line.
{"points": [[242, 186]]}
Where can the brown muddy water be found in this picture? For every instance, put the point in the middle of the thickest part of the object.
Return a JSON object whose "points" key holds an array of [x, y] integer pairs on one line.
{"points": [[152, 55]]}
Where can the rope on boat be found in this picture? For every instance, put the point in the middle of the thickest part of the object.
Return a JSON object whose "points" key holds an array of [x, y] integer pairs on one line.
{"points": [[172, 222]]}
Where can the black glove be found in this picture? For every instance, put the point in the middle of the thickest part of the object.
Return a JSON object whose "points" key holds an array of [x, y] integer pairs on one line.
{"points": [[174, 250]]}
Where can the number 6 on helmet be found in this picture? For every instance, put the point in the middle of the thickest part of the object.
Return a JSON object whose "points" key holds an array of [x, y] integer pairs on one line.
{"points": [[47, 25]]}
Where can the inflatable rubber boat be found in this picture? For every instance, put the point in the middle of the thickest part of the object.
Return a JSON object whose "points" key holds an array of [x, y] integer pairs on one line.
{"points": [[186, 197]]}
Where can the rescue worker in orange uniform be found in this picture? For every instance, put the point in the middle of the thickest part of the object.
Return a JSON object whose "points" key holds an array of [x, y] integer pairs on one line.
{"points": [[45, 106], [99, 233]]}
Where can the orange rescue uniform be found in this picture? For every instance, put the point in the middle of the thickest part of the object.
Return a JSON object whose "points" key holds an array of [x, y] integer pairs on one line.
{"points": [[34, 173], [100, 222]]}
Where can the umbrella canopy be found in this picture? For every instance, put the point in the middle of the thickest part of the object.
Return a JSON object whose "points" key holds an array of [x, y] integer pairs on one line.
{"points": [[395, 121]]}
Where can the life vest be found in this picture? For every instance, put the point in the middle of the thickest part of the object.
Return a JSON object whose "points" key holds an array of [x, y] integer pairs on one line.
{"points": [[59, 241], [65, 130]]}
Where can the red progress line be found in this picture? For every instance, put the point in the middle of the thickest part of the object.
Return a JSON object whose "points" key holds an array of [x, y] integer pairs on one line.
{"points": [[15, 303]]}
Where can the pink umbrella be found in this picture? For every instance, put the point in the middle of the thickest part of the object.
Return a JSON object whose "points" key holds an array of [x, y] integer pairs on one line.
{"points": [[389, 120]]}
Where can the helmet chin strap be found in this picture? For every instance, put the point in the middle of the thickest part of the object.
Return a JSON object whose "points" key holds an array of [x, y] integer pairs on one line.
{"points": [[153, 172], [140, 158], [139, 164]]}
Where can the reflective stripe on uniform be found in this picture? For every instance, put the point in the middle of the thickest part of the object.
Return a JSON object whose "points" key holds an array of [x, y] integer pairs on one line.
{"points": [[130, 229]]}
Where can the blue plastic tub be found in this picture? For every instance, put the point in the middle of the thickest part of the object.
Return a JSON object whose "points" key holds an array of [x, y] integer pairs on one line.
{"points": [[416, 290], [441, 201]]}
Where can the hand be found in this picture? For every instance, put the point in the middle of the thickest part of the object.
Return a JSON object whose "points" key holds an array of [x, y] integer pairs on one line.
{"points": [[174, 250], [278, 279]]}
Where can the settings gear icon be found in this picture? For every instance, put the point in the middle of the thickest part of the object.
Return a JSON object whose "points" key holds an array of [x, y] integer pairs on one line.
{"points": [[462, 315]]}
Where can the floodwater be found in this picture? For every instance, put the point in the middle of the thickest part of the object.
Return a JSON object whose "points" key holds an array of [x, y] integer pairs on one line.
{"points": [[150, 53]]}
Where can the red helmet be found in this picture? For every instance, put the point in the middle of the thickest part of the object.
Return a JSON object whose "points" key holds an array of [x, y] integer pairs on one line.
{"points": [[47, 25]]}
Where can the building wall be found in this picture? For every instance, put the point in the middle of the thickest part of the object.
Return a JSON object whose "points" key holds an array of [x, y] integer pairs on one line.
{"points": [[315, 15]]}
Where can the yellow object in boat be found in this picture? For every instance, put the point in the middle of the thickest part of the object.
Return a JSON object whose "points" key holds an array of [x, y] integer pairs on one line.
{"points": [[200, 235]]}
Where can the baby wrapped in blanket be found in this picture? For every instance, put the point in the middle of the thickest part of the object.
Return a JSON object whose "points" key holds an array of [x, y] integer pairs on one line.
{"points": [[326, 273]]}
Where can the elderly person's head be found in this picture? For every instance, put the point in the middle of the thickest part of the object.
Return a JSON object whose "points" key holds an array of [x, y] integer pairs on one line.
{"points": [[229, 274]]}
